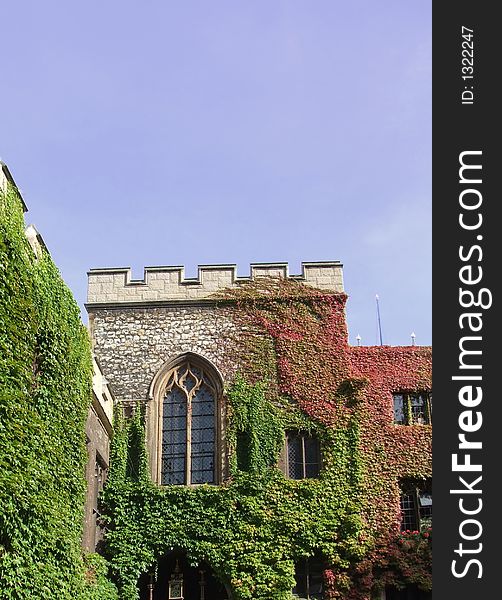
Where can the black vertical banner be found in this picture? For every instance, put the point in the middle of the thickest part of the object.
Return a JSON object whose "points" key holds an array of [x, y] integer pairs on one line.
{"points": [[467, 168]]}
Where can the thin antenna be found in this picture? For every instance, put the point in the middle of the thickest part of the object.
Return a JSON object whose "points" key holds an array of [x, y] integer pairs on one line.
{"points": [[378, 318]]}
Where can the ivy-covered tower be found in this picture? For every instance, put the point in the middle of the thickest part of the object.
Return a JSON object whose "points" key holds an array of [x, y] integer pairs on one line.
{"points": [[256, 454]]}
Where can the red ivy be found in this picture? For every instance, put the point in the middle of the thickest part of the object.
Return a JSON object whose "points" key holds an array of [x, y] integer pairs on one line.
{"points": [[329, 380]]}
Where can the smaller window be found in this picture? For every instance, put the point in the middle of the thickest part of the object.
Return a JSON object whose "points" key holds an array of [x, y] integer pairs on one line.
{"points": [[414, 408], [303, 456], [308, 578], [416, 505]]}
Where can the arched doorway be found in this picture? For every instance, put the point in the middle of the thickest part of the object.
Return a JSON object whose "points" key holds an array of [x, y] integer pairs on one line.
{"points": [[177, 579]]}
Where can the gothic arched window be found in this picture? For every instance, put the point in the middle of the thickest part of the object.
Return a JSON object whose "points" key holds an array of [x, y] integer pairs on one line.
{"points": [[189, 427]]}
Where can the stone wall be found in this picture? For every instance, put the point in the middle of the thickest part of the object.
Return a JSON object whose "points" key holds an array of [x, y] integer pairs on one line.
{"points": [[133, 343], [98, 460], [98, 430]]}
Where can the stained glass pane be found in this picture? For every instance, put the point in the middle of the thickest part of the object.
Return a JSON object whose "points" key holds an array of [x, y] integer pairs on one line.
{"points": [[203, 476], [174, 438], [295, 456], [175, 426], [169, 450], [177, 436], [203, 436], [174, 423], [189, 382], [196, 371], [203, 401], [202, 462], [408, 511], [312, 455], [171, 475], [399, 415], [417, 403], [175, 403], [425, 508]]}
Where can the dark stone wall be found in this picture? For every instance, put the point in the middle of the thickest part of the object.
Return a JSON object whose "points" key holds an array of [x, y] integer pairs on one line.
{"points": [[98, 453]]}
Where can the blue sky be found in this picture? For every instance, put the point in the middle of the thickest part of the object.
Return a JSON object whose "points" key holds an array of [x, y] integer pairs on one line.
{"points": [[196, 132]]}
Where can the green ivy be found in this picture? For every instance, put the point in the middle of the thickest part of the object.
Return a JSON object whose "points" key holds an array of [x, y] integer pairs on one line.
{"points": [[45, 391], [255, 431], [297, 372], [252, 528], [96, 574]]}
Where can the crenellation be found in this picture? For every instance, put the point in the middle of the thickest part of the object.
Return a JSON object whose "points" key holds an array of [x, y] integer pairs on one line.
{"points": [[168, 283], [269, 270]]}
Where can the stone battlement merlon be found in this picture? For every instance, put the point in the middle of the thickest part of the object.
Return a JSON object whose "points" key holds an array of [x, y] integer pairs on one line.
{"points": [[164, 284]]}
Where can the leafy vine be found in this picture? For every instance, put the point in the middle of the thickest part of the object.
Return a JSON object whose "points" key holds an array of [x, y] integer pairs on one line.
{"points": [[45, 375]]}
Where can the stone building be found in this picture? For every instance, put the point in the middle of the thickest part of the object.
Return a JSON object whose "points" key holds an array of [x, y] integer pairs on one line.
{"points": [[98, 433], [170, 345]]}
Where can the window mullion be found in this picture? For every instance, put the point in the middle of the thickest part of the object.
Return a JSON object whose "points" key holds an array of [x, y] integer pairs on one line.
{"points": [[307, 577], [188, 464], [417, 507], [304, 466]]}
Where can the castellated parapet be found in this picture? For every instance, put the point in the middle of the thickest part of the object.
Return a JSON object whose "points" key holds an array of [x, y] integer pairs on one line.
{"points": [[168, 284]]}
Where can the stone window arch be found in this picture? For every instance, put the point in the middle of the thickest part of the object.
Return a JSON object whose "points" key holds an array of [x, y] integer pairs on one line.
{"points": [[184, 422]]}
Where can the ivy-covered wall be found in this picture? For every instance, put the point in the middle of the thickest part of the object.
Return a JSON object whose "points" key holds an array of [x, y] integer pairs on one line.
{"points": [[295, 371], [45, 391]]}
